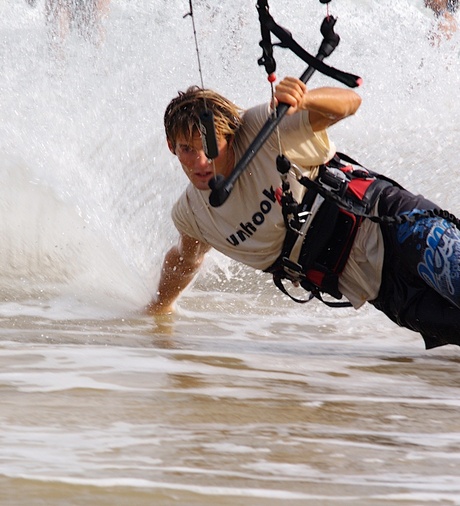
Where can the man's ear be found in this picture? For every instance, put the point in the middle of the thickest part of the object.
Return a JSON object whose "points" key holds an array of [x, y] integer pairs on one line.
{"points": [[171, 147]]}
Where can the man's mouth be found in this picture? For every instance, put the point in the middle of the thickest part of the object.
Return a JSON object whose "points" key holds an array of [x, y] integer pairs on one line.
{"points": [[203, 175]]}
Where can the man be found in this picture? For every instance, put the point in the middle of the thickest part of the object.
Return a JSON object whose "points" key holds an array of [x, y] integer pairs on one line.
{"points": [[392, 265], [84, 16], [444, 11], [441, 6]]}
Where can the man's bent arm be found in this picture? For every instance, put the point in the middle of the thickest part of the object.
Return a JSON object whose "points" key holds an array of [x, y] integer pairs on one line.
{"points": [[180, 265], [326, 105]]}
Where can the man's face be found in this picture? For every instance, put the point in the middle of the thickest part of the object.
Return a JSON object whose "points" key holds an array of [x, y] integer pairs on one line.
{"points": [[196, 166]]}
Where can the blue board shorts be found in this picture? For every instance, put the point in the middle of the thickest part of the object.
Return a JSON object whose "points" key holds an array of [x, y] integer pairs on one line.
{"points": [[420, 287]]}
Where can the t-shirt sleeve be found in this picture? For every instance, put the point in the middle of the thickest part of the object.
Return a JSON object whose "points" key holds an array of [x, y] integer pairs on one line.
{"points": [[183, 218], [299, 142]]}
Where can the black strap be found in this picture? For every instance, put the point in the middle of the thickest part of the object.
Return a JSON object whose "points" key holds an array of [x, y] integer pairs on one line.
{"points": [[278, 280], [315, 294]]}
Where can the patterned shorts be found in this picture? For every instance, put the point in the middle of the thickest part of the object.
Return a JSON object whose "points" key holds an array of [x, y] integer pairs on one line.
{"points": [[436, 243], [420, 287]]}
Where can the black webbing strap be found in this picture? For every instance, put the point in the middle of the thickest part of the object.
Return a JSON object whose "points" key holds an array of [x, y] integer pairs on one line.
{"points": [[314, 294]]}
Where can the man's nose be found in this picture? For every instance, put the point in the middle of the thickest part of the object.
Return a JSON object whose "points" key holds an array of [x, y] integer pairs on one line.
{"points": [[201, 158]]}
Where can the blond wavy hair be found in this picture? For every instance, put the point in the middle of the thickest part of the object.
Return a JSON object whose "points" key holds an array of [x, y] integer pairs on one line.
{"points": [[182, 115]]}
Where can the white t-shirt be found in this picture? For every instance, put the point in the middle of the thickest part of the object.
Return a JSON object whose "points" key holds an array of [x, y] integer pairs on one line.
{"points": [[249, 226]]}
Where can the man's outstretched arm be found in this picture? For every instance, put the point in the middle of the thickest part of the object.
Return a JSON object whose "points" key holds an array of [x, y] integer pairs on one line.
{"points": [[180, 266]]}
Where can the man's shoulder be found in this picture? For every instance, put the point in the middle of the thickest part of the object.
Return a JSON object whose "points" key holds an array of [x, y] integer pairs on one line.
{"points": [[256, 115], [183, 212], [182, 204]]}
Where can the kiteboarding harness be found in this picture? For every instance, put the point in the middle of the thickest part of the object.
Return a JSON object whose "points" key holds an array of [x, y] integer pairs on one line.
{"points": [[320, 230]]}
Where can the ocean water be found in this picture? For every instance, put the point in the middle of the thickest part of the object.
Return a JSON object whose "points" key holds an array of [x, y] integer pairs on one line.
{"points": [[242, 397]]}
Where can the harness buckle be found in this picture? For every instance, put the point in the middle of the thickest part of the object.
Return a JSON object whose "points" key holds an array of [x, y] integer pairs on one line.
{"points": [[296, 221], [292, 269], [333, 180], [302, 215]]}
